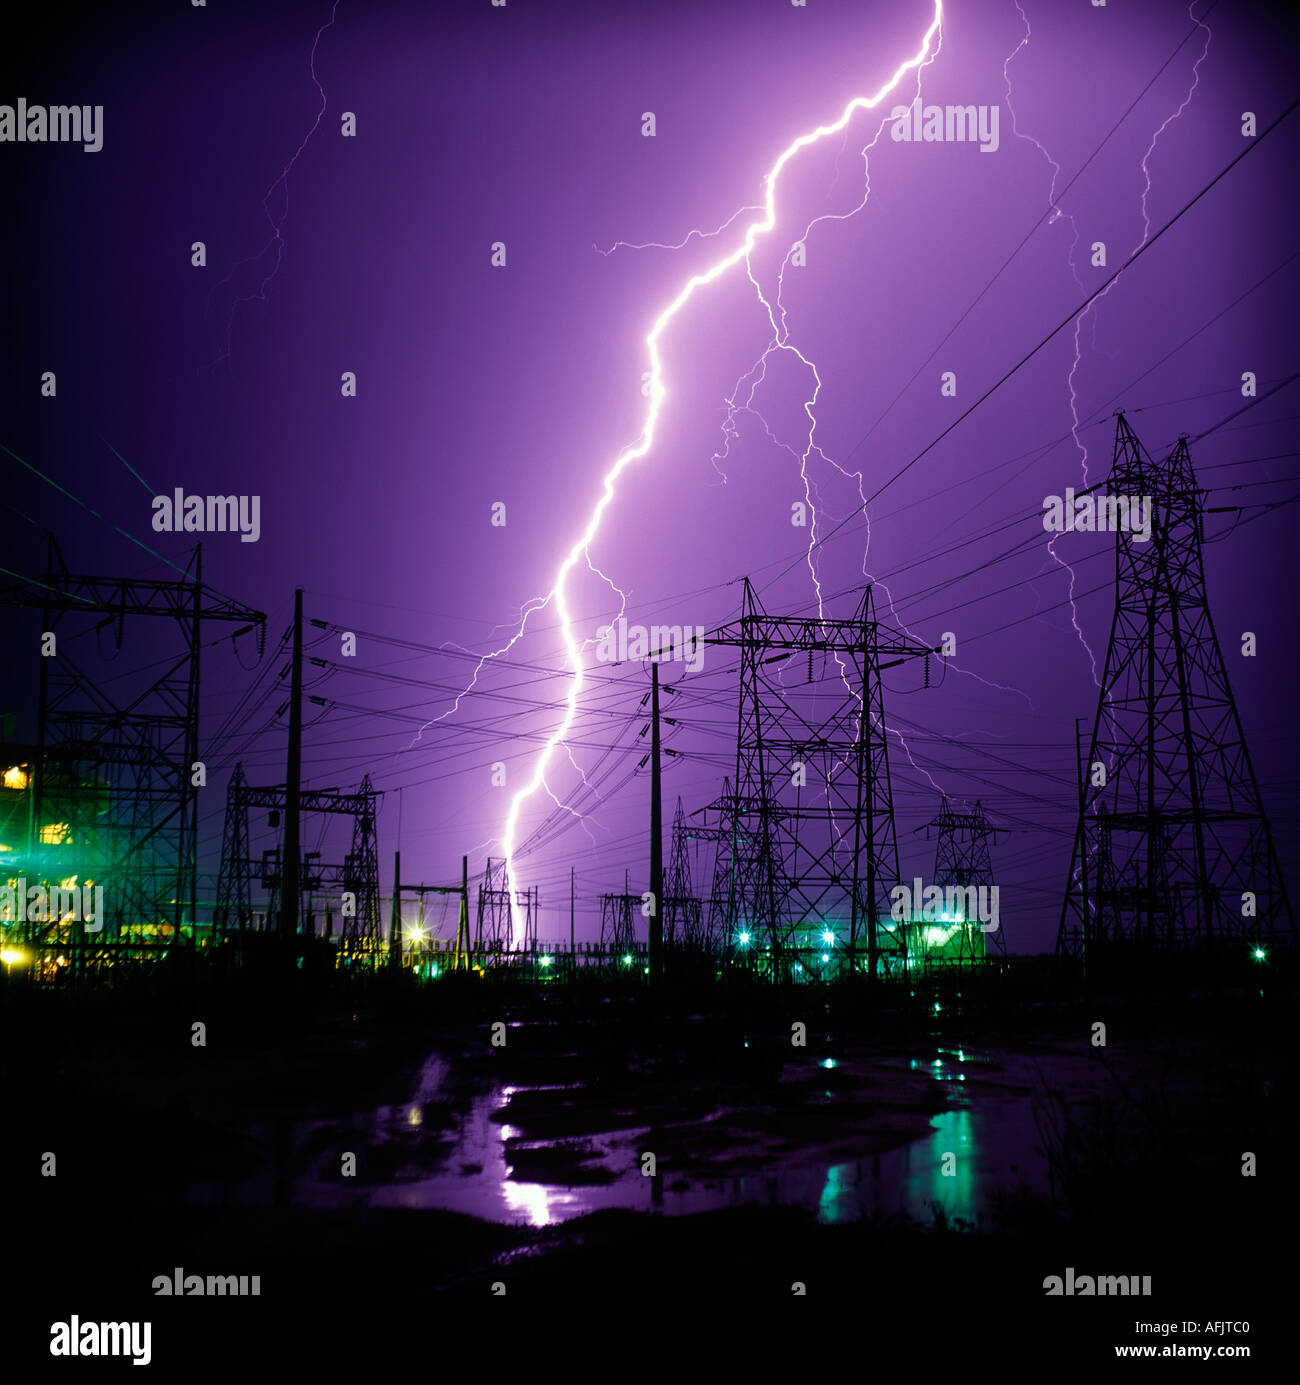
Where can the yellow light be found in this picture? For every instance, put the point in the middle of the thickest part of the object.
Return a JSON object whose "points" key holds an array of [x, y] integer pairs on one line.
{"points": [[68, 883], [54, 833], [10, 955], [16, 777]]}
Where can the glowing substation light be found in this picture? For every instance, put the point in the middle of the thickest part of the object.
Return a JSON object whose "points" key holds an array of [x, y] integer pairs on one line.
{"points": [[657, 393], [744, 940]]}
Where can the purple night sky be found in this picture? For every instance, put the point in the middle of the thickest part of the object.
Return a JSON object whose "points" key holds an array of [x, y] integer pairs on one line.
{"points": [[521, 384]]}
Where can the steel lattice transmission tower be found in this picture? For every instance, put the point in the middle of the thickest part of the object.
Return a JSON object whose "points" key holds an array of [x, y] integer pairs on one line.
{"points": [[361, 872], [234, 883], [1172, 845], [495, 929], [617, 922], [356, 876], [716, 924], [683, 912], [963, 857], [811, 825], [118, 760]]}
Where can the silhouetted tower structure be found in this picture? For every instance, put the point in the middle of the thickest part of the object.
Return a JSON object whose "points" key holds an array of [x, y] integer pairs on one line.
{"points": [[117, 761], [401, 888], [495, 928], [361, 875], [1173, 848], [234, 909], [351, 886], [811, 824], [618, 921], [962, 856], [716, 922], [683, 912], [530, 901]]}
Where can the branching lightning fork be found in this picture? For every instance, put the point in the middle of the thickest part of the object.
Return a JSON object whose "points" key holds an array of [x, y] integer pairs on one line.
{"points": [[579, 550], [1091, 309]]}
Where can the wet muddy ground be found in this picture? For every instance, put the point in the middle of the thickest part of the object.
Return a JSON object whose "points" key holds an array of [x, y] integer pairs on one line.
{"points": [[415, 1154]]}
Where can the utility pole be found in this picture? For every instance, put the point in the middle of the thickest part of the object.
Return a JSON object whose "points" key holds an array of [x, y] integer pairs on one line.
{"points": [[289, 878], [190, 806], [462, 924], [573, 954], [395, 917], [656, 838]]}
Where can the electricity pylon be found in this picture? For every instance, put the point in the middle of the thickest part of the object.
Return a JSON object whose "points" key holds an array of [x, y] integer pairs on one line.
{"points": [[811, 824], [1173, 848], [962, 857]]}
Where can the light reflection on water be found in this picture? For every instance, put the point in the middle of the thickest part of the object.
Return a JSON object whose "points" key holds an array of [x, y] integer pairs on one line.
{"points": [[990, 1149], [985, 1141]]}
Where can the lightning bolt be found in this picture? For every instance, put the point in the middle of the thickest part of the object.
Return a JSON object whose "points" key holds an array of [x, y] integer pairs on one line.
{"points": [[564, 807], [1090, 310], [276, 241], [645, 441], [686, 240], [757, 375], [1057, 214]]}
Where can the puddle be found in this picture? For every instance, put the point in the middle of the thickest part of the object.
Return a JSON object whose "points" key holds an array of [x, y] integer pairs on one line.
{"points": [[458, 1152]]}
